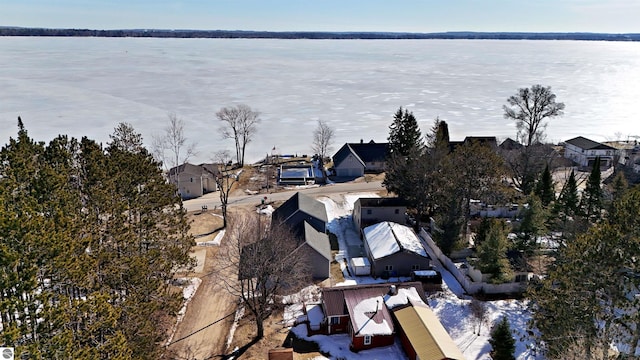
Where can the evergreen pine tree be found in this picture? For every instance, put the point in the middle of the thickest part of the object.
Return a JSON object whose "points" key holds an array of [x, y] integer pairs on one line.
{"points": [[492, 252], [502, 342], [404, 133], [591, 202], [568, 204], [532, 226], [438, 139], [617, 188], [90, 242], [545, 187]]}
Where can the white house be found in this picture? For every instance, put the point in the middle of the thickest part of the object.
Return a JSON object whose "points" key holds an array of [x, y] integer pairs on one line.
{"points": [[584, 152]]}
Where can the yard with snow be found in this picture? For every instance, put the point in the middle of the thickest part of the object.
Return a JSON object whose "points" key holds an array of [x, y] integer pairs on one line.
{"points": [[451, 305]]}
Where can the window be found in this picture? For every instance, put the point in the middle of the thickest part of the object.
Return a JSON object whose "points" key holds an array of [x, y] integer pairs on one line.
{"points": [[368, 211], [388, 268], [415, 267], [335, 320], [367, 339], [397, 211], [191, 179]]}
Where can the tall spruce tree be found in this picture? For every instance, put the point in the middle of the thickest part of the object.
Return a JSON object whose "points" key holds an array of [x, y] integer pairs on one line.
{"points": [[533, 225], [617, 189], [404, 133], [492, 252], [405, 166], [438, 139], [502, 342], [591, 202], [545, 189], [568, 204]]}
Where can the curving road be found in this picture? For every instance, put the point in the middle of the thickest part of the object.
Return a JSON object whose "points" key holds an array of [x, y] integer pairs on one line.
{"points": [[212, 200]]}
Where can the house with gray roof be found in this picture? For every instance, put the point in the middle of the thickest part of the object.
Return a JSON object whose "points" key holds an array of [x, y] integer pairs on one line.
{"points": [[318, 249], [584, 152], [356, 159], [394, 250], [299, 208], [307, 217]]}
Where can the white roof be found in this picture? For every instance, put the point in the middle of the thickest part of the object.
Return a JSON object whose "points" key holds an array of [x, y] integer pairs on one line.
{"points": [[387, 238], [363, 313], [403, 297], [315, 315], [360, 261]]}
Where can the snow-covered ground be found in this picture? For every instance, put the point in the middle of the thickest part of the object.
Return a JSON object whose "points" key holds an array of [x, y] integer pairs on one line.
{"points": [[451, 306]]}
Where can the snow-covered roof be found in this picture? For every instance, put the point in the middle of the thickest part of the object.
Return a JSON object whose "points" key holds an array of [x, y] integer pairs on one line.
{"points": [[369, 315], [387, 238], [403, 296], [315, 315], [360, 262]]}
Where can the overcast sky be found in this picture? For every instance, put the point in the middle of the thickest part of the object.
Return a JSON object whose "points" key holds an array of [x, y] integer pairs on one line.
{"points": [[611, 16]]}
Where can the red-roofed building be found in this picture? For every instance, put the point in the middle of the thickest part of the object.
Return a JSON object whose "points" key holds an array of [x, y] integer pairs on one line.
{"points": [[364, 312]]}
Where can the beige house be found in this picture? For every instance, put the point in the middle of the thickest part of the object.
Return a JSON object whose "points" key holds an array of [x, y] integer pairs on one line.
{"points": [[194, 180]]}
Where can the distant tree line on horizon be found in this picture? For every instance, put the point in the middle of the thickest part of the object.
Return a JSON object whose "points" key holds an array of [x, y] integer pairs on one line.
{"points": [[242, 34]]}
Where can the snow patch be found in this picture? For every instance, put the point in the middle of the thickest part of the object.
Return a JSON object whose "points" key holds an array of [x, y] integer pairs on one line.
{"points": [[215, 242]]}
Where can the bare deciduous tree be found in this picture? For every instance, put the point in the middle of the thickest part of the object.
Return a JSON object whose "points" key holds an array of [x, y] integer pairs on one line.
{"points": [[479, 313], [174, 141], [240, 124], [261, 263], [322, 139], [225, 180], [530, 107]]}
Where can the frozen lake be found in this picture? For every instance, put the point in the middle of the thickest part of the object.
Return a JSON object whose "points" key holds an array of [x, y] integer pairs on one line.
{"points": [[86, 86]]}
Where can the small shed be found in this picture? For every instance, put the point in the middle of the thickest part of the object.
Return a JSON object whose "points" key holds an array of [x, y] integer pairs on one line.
{"points": [[360, 266], [281, 354], [431, 279]]}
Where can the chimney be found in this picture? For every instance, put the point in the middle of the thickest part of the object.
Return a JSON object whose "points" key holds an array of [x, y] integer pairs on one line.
{"points": [[393, 290], [361, 141]]}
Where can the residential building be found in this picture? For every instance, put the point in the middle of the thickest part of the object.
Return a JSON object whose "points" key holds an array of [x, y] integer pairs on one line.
{"points": [[489, 141], [307, 217], [363, 311], [394, 250], [368, 211], [356, 159], [194, 180], [374, 314], [584, 152]]}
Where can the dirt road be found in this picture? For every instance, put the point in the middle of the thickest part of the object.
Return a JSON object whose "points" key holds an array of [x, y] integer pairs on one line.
{"points": [[210, 303]]}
